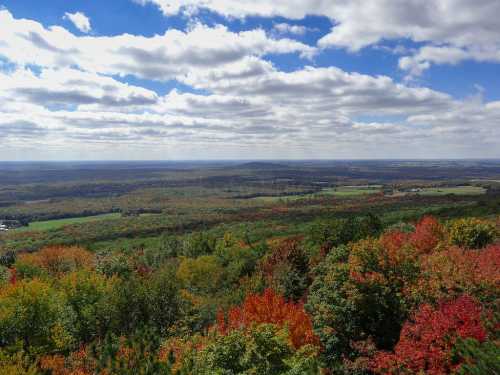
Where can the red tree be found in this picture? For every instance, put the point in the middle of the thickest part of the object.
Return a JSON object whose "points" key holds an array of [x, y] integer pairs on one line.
{"points": [[428, 233], [272, 309], [426, 343]]}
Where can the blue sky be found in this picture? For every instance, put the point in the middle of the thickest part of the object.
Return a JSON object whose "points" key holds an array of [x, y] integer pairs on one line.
{"points": [[190, 79]]}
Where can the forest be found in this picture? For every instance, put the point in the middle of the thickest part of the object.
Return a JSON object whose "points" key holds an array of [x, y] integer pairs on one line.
{"points": [[250, 268]]}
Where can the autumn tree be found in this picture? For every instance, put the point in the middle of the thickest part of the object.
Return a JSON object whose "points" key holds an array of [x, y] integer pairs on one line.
{"points": [[427, 340]]}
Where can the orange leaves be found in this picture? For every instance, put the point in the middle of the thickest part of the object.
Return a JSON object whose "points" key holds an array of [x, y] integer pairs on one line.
{"points": [[454, 269], [428, 234], [59, 259], [272, 309], [426, 342]]}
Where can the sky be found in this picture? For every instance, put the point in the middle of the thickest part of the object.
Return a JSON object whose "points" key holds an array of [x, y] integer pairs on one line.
{"points": [[249, 79]]}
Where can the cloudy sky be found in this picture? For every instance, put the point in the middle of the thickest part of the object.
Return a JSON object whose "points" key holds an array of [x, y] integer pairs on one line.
{"points": [[249, 79]]}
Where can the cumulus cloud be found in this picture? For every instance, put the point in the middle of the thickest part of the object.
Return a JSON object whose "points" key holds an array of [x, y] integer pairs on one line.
{"points": [[453, 30], [74, 98], [80, 21], [161, 57]]}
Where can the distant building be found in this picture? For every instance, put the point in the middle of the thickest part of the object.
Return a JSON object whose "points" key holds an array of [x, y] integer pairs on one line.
{"points": [[3, 228]]}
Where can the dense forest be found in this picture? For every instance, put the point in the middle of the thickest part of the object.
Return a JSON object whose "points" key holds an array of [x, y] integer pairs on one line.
{"points": [[378, 276]]}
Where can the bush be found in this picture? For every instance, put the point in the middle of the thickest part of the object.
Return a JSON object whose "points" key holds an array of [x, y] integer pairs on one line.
{"points": [[472, 233]]}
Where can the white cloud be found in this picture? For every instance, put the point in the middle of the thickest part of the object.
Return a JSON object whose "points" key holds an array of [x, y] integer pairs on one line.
{"points": [[80, 20], [286, 28], [73, 102], [161, 57], [468, 28]]}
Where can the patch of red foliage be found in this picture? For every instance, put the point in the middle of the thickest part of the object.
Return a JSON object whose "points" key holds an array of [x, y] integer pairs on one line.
{"points": [[426, 342], [428, 233], [13, 276], [272, 309]]}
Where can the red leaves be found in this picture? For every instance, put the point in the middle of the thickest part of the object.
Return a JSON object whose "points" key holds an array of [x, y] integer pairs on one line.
{"points": [[13, 276], [428, 233], [272, 309], [426, 343]]}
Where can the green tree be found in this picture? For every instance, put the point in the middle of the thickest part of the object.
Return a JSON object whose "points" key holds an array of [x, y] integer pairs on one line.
{"points": [[36, 316], [261, 350]]}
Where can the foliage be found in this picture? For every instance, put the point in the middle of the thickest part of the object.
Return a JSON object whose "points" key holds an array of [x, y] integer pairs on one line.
{"points": [[332, 233], [273, 309], [7, 259], [16, 364], [357, 295], [287, 269], [201, 275], [87, 293], [427, 341], [454, 271], [56, 260], [261, 349], [35, 316], [471, 233], [478, 357]]}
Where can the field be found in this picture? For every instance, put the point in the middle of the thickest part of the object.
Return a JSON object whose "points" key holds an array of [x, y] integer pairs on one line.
{"points": [[457, 190], [58, 223]]}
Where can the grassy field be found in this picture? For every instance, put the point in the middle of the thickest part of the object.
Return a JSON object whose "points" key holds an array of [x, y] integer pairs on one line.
{"points": [[54, 224], [352, 191], [456, 190], [340, 191]]}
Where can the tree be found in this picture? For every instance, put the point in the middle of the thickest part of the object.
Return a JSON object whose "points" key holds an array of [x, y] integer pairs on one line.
{"points": [[87, 294], [35, 314], [357, 295], [260, 349], [56, 260], [426, 342], [200, 275], [287, 269], [270, 308], [471, 233]]}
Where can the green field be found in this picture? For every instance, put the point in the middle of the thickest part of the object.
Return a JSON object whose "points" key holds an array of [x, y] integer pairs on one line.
{"points": [[54, 224], [340, 191], [352, 191], [456, 190]]}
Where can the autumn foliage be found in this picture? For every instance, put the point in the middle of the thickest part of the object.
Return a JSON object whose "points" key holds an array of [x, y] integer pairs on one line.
{"points": [[426, 342], [272, 309], [59, 259]]}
